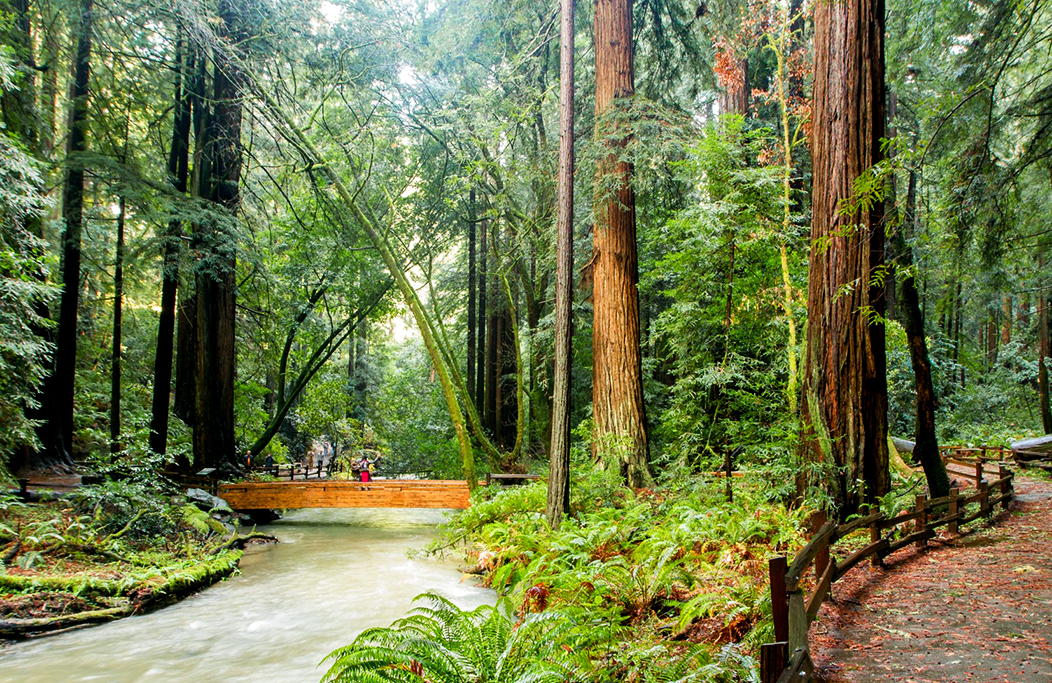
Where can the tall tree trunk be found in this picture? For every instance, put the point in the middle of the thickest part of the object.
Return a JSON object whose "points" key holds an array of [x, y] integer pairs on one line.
{"points": [[845, 387], [617, 384], [926, 449], [558, 503], [490, 417], [214, 443], [186, 305], [118, 313], [1006, 322], [179, 173], [361, 351], [64, 377], [481, 344], [471, 297], [1044, 347], [735, 96]]}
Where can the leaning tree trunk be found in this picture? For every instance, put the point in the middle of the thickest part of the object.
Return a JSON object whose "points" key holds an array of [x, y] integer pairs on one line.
{"points": [[214, 444], [61, 387], [179, 172], [559, 456], [845, 388], [483, 314], [927, 444], [471, 297], [1044, 349], [617, 376]]}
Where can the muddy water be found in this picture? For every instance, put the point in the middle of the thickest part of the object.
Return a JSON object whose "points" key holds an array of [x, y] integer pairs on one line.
{"points": [[335, 573]]}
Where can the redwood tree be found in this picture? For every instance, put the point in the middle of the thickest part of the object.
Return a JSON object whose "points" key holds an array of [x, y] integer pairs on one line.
{"points": [[178, 171], [60, 386], [845, 388], [214, 405], [559, 466], [617, 381]]}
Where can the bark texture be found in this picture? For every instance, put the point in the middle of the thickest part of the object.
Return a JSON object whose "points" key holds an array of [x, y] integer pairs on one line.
{"points": [[845, 388], [179, 175], [471, 298], [926, 449], [61, 386], [1044, 351], [214, 444], [558, 503], [620, 417]]}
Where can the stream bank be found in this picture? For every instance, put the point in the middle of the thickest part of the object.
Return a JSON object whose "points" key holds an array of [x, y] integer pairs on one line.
{"points": [[334, 573]]}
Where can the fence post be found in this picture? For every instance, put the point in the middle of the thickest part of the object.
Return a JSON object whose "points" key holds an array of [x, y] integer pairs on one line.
{"points": [[776, 568], [797, 621], [1006, 486], [978, 473], [984, 501], [954, 506], [874, 536], [818, 519], [920, 502], [773, 659]]}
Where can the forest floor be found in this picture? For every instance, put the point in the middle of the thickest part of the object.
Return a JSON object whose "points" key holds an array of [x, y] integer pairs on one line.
{"points": [[975, 608]]}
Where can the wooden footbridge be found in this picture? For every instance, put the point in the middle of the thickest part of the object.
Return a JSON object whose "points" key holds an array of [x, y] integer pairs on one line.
{"points": [[329, 493]]}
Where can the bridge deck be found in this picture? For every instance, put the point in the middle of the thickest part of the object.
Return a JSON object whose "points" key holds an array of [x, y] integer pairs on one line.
{"points": [[384, 493]]}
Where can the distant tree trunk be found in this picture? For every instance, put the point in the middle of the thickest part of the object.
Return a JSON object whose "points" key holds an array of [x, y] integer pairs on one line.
{"points": [[471, 298], [1044, 348], [64, 378], [845, 388], [481, 347], [1006, 322], [186, 305], [490, 418], [186, 359], [118, 313], [926, 449], [558, 503], [734, 99], [507, 377], [179, 174], [214, 443], [361, 351], [617, 386]]}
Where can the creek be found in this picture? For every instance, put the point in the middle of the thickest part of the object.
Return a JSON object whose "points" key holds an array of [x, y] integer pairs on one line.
{"points": [[335, 573]]}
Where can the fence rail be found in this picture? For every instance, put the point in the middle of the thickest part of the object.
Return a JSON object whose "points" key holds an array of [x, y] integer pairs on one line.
{"points": [[793, 609]]}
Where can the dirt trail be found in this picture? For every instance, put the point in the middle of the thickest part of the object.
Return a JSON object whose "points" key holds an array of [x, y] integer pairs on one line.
{"points": [[977, 608]]}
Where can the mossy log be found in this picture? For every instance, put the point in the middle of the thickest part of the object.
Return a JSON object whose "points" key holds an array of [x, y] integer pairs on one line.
{"points": [[143, 595]]}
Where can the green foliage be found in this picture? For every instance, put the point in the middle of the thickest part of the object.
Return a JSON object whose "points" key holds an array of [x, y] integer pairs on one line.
{"points": [[444, 644], [24, 292]]}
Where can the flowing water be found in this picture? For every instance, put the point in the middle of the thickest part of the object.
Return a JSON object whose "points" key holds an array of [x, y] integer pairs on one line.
{"points": [[335, 573]]}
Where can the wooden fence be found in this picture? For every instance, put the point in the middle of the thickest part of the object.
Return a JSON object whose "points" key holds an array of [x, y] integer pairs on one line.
{"points": [[794, 608]]}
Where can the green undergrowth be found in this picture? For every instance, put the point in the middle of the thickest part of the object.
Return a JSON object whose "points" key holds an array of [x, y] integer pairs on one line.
{"points": [[663, 578], [103, 552]]}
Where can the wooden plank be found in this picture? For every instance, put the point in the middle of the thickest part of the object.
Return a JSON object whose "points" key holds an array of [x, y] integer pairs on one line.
{"points": [[872, 550], [898, 519], [798, 623], [347, 494], [821, 591], [776, 568], [807, 555], [773, 660], [916, 537], [800, 669], [854, 525]]}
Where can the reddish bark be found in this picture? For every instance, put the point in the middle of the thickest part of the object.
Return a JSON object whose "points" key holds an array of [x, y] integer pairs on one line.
{"points": [[845, 389]]}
